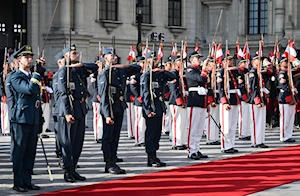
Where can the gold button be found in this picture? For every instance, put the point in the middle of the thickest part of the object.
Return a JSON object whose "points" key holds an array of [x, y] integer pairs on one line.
{"points": [[22, 108], [81, 92], [80, 84], [121, 91]]}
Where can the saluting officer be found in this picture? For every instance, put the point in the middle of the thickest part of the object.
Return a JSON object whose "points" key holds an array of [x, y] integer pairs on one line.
{"points": [[111, 88], [25, 120], [72, 111], [197, 103], [152, 92]]}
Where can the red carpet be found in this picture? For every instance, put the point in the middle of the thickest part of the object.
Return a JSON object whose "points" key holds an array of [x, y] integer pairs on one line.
{"points": [[228, 177]]}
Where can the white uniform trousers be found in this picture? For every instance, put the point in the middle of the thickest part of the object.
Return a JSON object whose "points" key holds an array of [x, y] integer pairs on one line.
{"points": [[212, 128], [179, 125], [139, 125], [257, 124], [197, 117], [5, 125], [47, 116], [167, 119], [97, 121], [287, 117], [244, 116], [130, 119], [229, 122]]}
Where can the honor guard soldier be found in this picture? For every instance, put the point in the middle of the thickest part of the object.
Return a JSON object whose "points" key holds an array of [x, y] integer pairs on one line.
{"points": [[152, 85], [46, 95], [178, 104], [59, 58], [25, 120], [97, 119], [5, 125], [229, 97], [140, 122], [72, 111], [213, 106], [111, 88], [130, 110], [244, 107], [167, 118], [197, 103], [257, 105], [286, 103]]}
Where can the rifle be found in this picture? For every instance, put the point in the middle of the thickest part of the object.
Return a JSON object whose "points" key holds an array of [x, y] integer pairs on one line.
{"points": [[150, 83], [226, 75], [259, 76], [213, 74], [181, 82], [290, 76], [110, 95], [70, 97], [5, 66], [247, 66]]}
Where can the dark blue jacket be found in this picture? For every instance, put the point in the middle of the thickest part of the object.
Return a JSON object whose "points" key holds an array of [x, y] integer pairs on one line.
{"points": [[159, 80], [56, 98], [78, 77], [285, 95], [176, 97], [135, 89], [10, 95], [95, 88], [28, 105], [196, 78], [118, 84]]}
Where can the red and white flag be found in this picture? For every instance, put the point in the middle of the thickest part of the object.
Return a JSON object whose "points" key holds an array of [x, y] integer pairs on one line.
{"points": [[260, 50], [184, 49], [197, 47], [174, 50], [160, 52], [131, 55], [239, 52], [290, 51], [246, 51], [219, 54]]}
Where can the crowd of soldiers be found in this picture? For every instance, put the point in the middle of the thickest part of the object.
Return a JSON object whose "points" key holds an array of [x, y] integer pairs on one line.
{"points": [[184, 97]]}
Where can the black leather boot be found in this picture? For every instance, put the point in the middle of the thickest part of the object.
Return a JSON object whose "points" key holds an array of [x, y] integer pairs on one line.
{"points": [[68, 177], [110, 167], [115, 160], [158, 160], [77, 176]]}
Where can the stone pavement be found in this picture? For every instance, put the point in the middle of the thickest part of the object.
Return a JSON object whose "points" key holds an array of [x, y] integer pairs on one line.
{"points": [[92, 165]]}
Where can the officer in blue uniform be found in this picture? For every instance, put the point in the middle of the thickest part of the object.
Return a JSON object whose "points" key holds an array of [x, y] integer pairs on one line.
{"points": [[111, 88], [72, 111], [25, 120], [154, 106], [59, 58]]}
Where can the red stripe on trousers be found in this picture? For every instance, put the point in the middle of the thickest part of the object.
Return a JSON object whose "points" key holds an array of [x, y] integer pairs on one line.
{"points": [[208, 125], [174, 123], [137, 125], [241, 120], [223, 141], [282, 121], [189, 135], [254, 124], [130, 119]]}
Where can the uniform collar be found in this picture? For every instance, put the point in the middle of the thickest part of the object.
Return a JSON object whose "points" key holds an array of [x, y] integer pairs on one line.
{"points": [[25, 72]]}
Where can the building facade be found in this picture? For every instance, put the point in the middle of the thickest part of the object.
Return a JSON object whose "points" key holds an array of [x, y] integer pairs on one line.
{"points": [[94, 21]]}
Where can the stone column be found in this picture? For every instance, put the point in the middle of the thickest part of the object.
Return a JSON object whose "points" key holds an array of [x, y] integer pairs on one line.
{"points": [[279, 16], [65, 15], [79, 16]]}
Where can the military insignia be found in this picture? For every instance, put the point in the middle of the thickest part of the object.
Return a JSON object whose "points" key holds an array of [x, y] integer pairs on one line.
{"points": [[28, 48], [73, 48]]}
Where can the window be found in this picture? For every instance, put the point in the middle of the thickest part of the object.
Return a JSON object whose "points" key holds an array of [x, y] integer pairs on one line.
{"points": [[174, 13], [147, 4], [257, 18], [108, 10]]}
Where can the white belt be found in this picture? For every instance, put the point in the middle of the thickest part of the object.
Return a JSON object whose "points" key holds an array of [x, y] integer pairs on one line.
{"points": [[217, 91], [265, 90], [235, 91], [199, 90], [293, 90]]}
